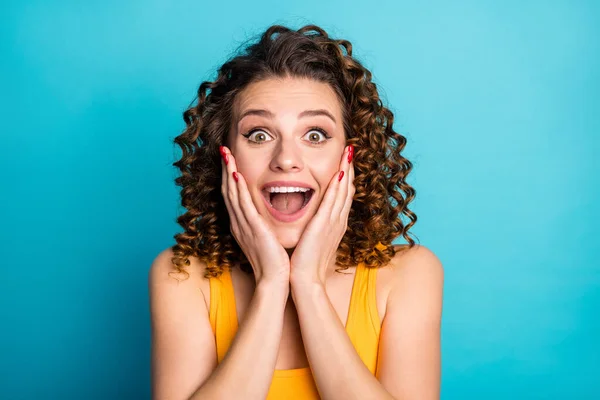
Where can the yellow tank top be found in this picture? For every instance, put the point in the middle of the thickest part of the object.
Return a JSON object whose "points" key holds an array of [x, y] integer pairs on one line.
{"points": [[363, 327]]}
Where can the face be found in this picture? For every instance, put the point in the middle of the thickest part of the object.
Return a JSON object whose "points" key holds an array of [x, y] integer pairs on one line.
{"points": [[287, 133]]}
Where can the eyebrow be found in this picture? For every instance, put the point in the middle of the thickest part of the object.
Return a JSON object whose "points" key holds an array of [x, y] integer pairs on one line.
{"points": [[307, 113]]}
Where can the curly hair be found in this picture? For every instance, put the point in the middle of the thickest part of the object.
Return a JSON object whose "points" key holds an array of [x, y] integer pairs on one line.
{"points": [[382, 194]]}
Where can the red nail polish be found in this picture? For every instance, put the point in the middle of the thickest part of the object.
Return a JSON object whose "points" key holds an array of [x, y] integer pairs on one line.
{"points": [[223, 154], [341, 176], [350, 153], [235, 176]]}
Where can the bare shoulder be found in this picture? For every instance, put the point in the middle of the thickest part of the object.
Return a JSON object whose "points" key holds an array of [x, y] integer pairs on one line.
{"points": [[418, 258], [163, 265], [410, 335], [164, 274], [416, 268], [183, 344]]}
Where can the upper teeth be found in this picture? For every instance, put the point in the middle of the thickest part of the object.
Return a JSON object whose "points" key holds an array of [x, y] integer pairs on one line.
{"points": [[285, 189]]}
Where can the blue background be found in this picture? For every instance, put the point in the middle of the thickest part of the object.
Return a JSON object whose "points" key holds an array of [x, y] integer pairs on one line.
{"points": [[499, 101]]}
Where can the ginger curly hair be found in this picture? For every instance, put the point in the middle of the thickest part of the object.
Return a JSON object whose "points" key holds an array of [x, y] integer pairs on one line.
{"points": [[382, 193]]}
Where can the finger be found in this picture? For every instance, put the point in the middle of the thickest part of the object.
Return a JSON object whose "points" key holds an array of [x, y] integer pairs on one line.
{"points": [[328, 198], [232, 192], [257, 225], [245, 200], [351, 191], [342, 194], [224, 190], [331, 195]]}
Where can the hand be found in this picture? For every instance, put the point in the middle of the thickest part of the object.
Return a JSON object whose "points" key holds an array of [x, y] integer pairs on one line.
{"points": [[266, 255], [317, 247]]}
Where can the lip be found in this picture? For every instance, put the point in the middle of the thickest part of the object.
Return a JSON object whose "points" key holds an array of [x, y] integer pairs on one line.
{"points": [[279, 216]]}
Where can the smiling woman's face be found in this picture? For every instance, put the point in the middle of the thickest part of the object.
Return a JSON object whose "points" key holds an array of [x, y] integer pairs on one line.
{"points": [[287, 133]]}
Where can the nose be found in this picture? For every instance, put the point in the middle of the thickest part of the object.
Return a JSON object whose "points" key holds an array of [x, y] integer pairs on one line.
{"points": [[286, 157]]}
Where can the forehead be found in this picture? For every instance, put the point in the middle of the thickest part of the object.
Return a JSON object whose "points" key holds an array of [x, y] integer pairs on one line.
{"points": [[288, 96]]}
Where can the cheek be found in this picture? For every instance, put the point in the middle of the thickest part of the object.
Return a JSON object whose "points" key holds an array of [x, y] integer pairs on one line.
{"points": [[323, 168], [251, 169]]}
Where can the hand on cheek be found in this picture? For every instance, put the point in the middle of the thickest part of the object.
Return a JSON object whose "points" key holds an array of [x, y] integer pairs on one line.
{"points": [[318, 244], [268, 258]]}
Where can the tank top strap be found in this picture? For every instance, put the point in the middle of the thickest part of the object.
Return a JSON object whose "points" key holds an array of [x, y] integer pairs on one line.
{"points": [[223, 313], [364, 324], [372, 293], [363, 302], [371, 298]]}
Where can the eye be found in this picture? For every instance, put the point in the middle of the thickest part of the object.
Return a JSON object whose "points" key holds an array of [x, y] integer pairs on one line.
{"points": [[259, 135], [315, 133]]}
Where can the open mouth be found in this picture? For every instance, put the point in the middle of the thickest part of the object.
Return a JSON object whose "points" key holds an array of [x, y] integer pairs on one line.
{"points": [[287, 203]]}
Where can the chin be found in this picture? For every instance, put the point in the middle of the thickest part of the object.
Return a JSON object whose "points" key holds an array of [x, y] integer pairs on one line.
{"points": [[288, 234], [288, 238]]}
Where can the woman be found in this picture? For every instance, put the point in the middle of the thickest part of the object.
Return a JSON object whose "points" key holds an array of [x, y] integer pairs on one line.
{"points": [[285, 284]]}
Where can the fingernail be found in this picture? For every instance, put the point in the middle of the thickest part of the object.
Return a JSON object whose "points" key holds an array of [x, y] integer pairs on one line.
{"points": [[235, 176], [341, 176], [224, 155], [350, 153]]}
